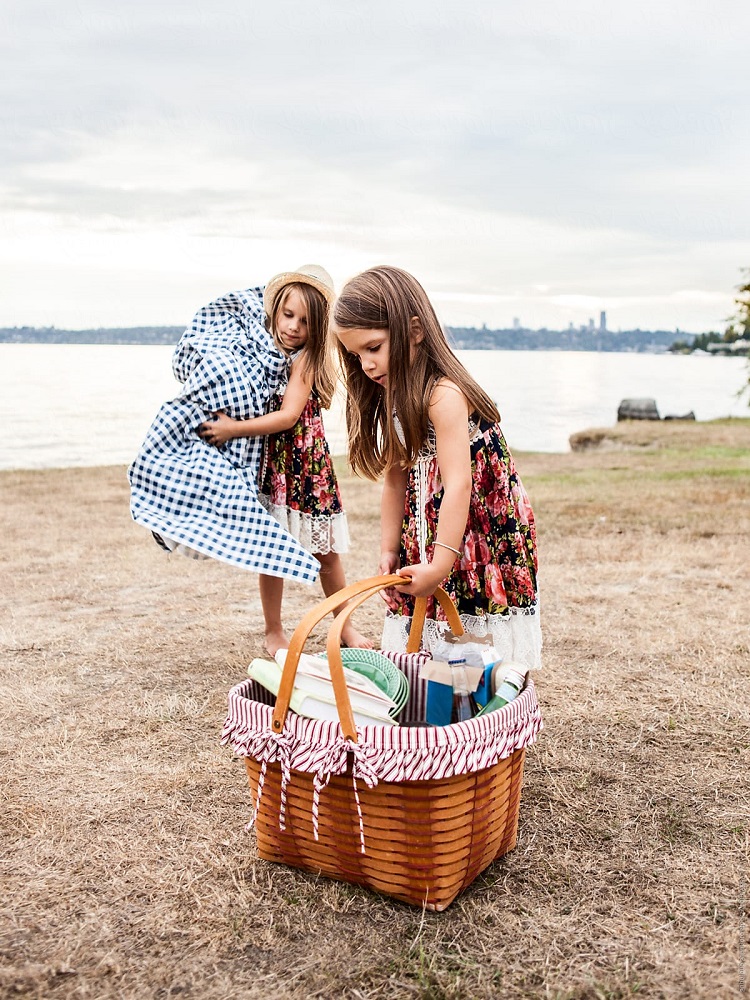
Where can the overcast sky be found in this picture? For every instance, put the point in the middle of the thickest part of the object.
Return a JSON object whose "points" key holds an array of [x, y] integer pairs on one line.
{"points": [[539, 160]]}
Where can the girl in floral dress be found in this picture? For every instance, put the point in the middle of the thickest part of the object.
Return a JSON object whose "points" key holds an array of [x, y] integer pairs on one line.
{"points": [[454, 510], [298, 483]]}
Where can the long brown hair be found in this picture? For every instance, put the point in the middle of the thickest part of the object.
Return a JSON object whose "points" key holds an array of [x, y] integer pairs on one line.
{"points": [[316, 354], [387, 298]]}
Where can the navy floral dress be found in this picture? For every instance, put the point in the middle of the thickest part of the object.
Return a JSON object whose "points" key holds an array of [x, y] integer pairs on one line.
{"points": [[298, 483], [494, 582]]}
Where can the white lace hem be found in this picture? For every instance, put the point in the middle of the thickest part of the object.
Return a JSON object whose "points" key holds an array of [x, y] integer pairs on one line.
{"points": [[319, 535], [516, 636]]}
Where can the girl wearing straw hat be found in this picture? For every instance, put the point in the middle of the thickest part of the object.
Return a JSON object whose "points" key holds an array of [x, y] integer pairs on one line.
{"points": [[297, 482]]}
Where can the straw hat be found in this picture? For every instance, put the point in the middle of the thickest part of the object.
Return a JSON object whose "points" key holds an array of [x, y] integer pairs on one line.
{"points": [[307, 274]]}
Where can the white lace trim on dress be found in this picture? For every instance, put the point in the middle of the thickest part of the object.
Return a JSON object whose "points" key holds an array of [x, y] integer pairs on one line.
{"points": [[319, 535], [516, 636]]}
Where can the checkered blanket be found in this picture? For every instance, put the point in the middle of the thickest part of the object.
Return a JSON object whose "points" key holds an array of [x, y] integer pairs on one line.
{"points": [[199, 497]]}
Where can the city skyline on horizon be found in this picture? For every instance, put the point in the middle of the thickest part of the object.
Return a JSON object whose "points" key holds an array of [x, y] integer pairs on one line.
{"points": [[516, 325]]}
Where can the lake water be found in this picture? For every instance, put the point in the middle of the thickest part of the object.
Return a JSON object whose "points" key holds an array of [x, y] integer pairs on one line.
{"points": [[78, 404]]}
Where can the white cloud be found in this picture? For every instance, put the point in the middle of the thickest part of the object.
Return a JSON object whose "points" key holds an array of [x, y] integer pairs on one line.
{"points": [[537, 159]]}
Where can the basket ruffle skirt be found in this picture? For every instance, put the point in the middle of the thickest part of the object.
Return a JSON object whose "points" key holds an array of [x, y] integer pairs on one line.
{"points": [[412, 811]]}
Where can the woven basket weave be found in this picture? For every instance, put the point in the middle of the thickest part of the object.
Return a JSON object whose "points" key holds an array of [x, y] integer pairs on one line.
{"points": [[420, 841]]}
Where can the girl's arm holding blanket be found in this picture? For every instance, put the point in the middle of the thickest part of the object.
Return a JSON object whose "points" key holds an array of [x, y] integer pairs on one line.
{"points": [[223, 428]]}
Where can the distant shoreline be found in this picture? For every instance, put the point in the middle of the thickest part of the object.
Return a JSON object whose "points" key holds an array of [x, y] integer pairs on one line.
{"points": [[462, 338], [144, 336]]}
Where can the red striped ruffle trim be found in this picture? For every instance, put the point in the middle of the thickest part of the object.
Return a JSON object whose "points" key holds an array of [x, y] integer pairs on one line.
{"points": [[384, 753]]}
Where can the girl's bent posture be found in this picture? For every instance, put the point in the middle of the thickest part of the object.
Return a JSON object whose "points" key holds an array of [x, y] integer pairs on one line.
{"points": [[454, 510]]}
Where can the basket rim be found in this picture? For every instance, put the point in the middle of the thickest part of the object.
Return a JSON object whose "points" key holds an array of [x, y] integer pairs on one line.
{"points": [[382, 753]]}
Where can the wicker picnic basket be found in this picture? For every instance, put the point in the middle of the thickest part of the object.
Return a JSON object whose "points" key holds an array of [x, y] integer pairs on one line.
{"points": [[412, 811]]}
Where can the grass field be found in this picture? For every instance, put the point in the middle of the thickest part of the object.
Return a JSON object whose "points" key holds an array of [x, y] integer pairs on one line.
{"points": [[126, 868]]}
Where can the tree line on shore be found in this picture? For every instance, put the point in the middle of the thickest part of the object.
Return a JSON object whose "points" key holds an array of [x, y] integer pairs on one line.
{"points": [[463, 338], [102, 335], [736, 331]]}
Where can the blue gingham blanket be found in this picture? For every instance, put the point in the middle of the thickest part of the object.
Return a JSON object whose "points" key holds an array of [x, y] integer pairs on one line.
{"points": [[201, 497]]}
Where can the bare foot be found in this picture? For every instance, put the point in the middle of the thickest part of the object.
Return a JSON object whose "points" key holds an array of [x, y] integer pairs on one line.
{"points": [[355, 640], [275, 641]]}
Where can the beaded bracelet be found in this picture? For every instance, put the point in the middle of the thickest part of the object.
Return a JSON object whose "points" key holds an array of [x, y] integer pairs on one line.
{"points": [[444, 546]]}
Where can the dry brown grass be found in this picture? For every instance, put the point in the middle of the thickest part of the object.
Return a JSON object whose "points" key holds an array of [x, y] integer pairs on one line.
{"points": [[126, 869]]}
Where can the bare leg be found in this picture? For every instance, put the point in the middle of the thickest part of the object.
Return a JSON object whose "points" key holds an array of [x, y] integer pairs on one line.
{"points": [[271, 592], [332, 579]]}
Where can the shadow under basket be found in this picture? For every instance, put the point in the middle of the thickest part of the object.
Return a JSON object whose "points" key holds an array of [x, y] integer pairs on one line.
{"points": [[426, 840]]}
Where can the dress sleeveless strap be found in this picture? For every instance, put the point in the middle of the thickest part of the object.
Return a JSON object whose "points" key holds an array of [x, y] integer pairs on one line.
{"points": [[422, 470]]}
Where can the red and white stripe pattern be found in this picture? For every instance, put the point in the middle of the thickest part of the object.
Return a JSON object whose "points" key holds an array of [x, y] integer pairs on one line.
{"points": [[415, 710], [382, 753]]}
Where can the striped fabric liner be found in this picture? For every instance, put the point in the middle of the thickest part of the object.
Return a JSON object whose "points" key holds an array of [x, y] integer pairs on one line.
{"points": [[408, 752], [415, 710], [383, 753], [411, 751]]}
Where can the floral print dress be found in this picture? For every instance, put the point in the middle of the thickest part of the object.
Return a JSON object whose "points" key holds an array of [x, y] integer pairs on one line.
{"points": [[494, 582], [298, 483]]}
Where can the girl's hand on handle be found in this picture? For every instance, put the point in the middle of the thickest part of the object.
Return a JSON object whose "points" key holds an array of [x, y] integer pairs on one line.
{"points": [[219, 430], [423, 578], [389, 564]]}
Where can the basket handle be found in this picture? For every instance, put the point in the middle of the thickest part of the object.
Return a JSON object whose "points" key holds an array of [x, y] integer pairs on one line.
{"points": [[354, 595]]}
